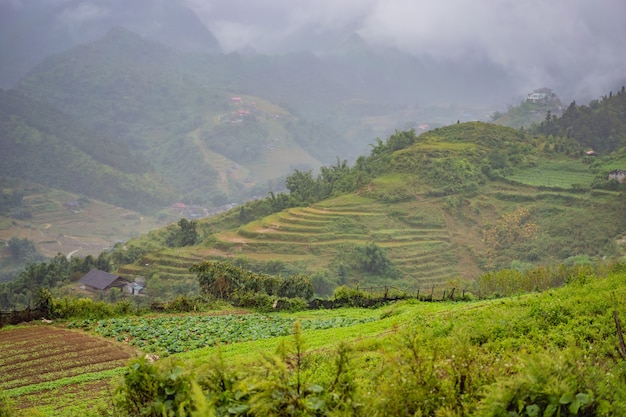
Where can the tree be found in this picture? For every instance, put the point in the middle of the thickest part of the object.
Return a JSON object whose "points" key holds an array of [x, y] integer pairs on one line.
{"points": [[185, 235], [219, 279], [302, 186], [374, 259], [296, 286], [23, 250]]}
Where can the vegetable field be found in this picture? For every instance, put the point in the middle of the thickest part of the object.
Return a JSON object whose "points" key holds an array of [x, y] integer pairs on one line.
{"points": [[175, 334], [36, 357]]}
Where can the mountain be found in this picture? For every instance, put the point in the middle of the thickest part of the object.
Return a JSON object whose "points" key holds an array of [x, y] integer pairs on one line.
{"points": [[45, 146], [179, 111], [30, 32], [599, 126], [418, 212]]}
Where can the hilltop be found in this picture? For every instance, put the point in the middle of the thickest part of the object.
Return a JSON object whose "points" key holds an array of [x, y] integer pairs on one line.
{"points": [[419, 211]]}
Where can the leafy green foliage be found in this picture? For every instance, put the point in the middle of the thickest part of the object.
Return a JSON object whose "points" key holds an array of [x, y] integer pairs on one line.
{"points": [[280, 386], [172, 334], [224, 280], [548, 387], [153, 392], [599, 126], [185, 235]]}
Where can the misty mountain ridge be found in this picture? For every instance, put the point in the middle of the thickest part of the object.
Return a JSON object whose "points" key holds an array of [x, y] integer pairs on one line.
{"points": [[45, 146], [31, 31], [171, 107]]}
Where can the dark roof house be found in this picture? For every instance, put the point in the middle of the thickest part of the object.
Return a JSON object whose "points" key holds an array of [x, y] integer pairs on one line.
{"points": [[101, 280]]}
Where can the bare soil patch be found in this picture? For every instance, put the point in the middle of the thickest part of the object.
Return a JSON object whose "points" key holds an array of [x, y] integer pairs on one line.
{"points": [[40, 353]]}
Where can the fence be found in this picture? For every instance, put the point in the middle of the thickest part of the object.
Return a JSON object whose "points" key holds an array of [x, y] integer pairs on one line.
{"points": [[431, 293], [21, 316]]}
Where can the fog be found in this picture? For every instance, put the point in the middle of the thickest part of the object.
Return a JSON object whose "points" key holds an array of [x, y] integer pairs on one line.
{"points": [[551, 43], [572, 45]]}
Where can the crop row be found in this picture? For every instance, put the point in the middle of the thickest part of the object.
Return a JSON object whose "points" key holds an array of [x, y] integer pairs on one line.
{"points": [[168, 335]]}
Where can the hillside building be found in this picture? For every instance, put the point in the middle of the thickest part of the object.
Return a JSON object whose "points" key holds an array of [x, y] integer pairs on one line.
{"points": [[99, 281], [543, 95], [618, 175]]}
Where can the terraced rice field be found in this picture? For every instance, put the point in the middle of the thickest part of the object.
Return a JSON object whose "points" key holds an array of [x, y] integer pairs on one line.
{"points": [[34, 356], [84, 230], [563, 174], [415, 238], [422, 251]]}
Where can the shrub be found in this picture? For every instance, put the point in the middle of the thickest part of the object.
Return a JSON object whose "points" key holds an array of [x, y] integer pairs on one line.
{"points": [[148, 390], [7, 408], [548, 385]]}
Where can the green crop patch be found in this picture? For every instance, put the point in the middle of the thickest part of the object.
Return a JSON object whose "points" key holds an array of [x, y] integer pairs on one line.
{"points": [[558, 174], [175, 334]]}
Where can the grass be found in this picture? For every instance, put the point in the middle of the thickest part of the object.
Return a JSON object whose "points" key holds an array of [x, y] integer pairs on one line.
{"points": [[558, 174], [505, 333]]}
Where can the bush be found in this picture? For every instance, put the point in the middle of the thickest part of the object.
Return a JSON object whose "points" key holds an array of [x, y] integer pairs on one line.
{"points": [[7, 408], [148, 390], [549, 385], [256, 300], [182, 304]]}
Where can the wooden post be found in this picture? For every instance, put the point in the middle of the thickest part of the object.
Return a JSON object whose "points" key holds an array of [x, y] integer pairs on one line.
{"points": [[620, 335]]}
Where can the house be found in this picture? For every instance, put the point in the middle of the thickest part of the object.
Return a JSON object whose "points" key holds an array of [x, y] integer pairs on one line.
{"points": [[541, 95], [97, 280], [591, 152], [618, 175]]}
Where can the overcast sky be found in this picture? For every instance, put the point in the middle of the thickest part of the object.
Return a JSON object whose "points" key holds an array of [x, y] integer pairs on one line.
{"points": [[535, 40], [580, 43]]}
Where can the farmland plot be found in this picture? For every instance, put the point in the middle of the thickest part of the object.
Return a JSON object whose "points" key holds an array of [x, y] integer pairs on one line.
{"points": [[175, 334], [38, 354], [559, 174]]}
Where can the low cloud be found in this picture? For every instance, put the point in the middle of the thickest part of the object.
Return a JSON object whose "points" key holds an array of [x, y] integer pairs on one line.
{"points": [[538, 42]]}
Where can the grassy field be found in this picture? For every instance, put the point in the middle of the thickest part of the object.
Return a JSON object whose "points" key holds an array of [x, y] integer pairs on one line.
{"points": [[558, 174], [496, 341]]}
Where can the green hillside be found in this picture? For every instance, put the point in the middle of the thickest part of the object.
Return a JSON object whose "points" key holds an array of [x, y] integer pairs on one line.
{"points": [[43, 145], [441, 207], [184, 113]]}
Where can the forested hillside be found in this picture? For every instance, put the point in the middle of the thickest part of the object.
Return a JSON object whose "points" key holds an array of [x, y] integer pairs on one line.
{"points": [[185, 113], [417, 212], [599, 126], [43, 145]]}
